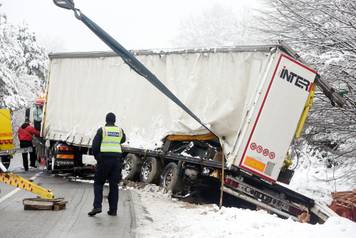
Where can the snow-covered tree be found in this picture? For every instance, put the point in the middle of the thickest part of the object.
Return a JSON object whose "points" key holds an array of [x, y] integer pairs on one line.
{"points": [[22, 65], [216, 26], [324, 33]]}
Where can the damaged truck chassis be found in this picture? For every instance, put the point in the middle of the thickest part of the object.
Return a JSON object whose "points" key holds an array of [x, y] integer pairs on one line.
{"points": [[181, 174]]}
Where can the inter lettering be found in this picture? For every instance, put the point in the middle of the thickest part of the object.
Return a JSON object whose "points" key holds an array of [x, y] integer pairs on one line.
{"points": [[295, 79]]}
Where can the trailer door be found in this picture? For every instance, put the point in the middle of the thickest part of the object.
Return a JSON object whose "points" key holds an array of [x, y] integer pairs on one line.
{"points": [[274, 117]]}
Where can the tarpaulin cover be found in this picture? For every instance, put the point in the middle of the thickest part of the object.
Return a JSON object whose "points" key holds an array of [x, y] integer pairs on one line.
{"points": [[218, 86]]}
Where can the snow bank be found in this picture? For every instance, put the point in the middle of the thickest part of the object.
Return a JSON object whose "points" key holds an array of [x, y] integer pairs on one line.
{"points": [[161, 216], [313, 178]]}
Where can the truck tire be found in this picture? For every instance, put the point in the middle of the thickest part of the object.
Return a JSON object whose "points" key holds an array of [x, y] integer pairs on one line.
{"points": [[150, 170], [170, 178], [5, 160], [131, 167], [49, 164], [49, 154]]}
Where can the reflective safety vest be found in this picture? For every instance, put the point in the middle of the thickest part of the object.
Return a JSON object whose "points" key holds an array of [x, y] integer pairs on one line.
{"points": [[111, 141]]}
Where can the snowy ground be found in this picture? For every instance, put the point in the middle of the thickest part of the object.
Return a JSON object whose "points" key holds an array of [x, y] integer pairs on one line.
{"points": [[313, 179], [159, 215]]}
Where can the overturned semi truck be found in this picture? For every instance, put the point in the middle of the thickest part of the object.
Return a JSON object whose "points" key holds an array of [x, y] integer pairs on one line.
{"points": [[253, 101]]}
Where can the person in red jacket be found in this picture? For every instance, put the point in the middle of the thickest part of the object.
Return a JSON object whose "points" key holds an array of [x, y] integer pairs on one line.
{"points": [[25, 134]]}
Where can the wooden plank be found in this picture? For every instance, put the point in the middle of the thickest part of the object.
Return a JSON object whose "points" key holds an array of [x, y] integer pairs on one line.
{"points": [[44, 204]]}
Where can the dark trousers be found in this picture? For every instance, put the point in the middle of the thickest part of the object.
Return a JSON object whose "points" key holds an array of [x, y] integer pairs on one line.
{"points": [[107, 168], [37, 125], [24, 144]]}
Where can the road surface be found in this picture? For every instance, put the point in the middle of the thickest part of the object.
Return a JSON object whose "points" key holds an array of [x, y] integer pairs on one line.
{"points": [[15, 222]]}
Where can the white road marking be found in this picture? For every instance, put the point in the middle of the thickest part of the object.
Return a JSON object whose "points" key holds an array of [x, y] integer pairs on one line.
{"points": [[13, 192], [9, 195]]}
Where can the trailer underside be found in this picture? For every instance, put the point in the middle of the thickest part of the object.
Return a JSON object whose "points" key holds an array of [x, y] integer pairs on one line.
{"points": [[238, 183]]}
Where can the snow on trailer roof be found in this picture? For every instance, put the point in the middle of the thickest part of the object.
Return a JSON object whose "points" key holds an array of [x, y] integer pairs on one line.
{"points": [[242, 48], [234, 91]]}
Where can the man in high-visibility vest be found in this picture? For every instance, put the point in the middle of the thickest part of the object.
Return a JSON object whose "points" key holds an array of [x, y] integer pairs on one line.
{"points": [[108, 154]]}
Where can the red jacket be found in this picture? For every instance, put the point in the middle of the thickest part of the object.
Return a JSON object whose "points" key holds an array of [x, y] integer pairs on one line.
{"points": [[26, 131]]}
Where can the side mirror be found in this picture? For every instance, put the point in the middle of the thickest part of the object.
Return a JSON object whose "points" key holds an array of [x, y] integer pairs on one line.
{"points": [[67, 4]]}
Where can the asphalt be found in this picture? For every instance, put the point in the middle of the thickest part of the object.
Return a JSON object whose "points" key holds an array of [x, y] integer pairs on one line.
{"points": [[15, 222]]}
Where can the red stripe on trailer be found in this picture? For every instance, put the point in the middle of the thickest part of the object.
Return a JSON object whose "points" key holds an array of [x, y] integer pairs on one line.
{"points": [[260, 110], [255, 124]]}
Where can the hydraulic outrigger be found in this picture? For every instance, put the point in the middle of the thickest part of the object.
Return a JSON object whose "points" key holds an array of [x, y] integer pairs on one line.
{"points": [[24, 184], [7, 149], [45, 200]]}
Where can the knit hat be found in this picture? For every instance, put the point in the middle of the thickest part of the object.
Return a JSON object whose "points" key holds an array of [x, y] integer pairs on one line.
{"points": [[110, 118]]}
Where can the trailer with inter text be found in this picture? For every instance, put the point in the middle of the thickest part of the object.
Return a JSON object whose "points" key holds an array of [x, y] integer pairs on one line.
{"points": [[254, 100]]}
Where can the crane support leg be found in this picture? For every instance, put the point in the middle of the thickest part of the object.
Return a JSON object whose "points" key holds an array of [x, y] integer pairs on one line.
{"points": [[24, 184]]}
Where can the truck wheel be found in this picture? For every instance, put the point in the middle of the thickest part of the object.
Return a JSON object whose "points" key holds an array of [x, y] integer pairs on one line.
{"points": [[170, 178], [150, 170], [5, 160], [131, 167], [49, 157]]}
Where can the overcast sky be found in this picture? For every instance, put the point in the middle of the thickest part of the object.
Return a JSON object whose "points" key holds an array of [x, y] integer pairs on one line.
{"points": [[136, 24]]}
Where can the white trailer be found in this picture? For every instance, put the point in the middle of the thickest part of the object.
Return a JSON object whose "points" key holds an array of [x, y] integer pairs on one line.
{"points": [[253, 99]]}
